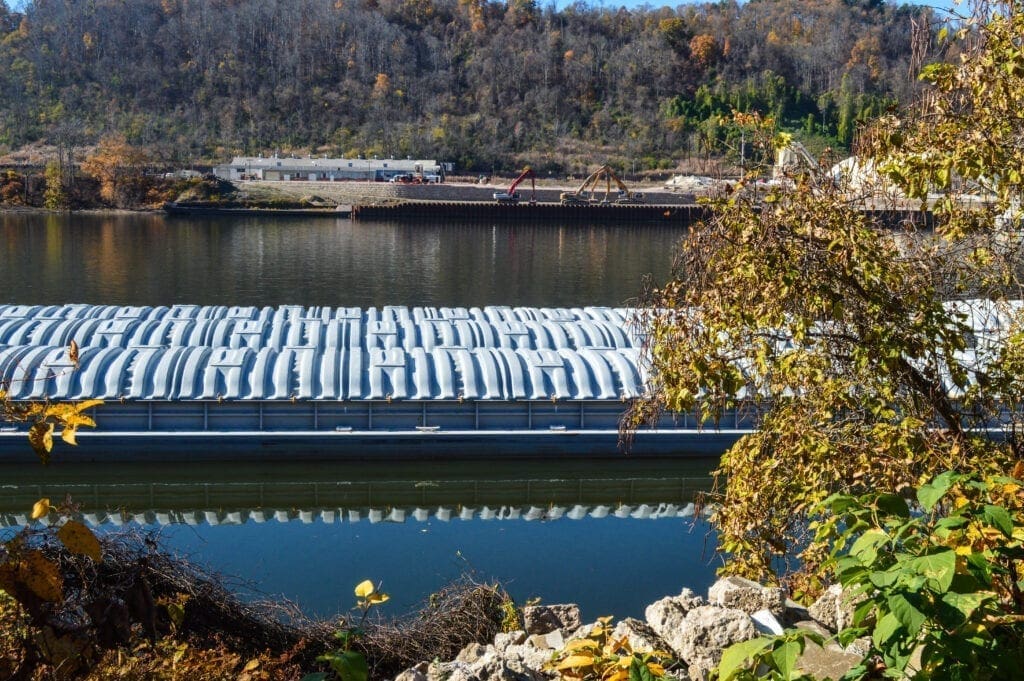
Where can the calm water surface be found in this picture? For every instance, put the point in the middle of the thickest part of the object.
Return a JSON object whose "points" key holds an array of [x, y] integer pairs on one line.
{"points": [[153, 260], [310, 533]]}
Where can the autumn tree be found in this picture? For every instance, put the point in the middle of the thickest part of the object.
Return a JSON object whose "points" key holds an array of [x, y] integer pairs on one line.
{"points": [[120, 169], [870, 355]]}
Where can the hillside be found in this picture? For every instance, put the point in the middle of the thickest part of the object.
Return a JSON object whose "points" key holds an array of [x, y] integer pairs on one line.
{"points": [[486, 85]]}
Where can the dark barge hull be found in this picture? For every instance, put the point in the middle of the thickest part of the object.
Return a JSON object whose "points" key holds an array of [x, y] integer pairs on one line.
{"points": [[223, 211], [686, 215]]}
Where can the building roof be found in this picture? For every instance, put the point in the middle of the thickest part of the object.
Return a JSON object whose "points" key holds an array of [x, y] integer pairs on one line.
{"points": [[312, 164]]}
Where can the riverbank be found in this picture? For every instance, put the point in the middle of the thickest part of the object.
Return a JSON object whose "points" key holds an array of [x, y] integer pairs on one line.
{"points": [[682, 637], [143, 612]]}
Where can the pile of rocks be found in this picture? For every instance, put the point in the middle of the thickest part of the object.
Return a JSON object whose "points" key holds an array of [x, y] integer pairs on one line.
{"points": [[693, 629]]}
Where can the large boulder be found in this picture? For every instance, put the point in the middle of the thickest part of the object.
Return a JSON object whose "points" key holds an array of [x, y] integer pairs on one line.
{"points": [[706, 632], [666, 616], [748, 596], [543, 619], [834, 608], [641, 636]]}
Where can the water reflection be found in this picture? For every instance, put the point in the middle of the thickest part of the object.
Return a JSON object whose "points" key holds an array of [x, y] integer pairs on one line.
{"points": [[153, 260], [577, 530]]}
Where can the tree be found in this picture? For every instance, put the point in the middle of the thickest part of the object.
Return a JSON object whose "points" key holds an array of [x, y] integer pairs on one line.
{"points": [[119, 167], [850, 341]]}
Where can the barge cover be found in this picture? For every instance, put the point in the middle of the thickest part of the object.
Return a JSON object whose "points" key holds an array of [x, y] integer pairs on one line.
{"points": [[190, 382]]}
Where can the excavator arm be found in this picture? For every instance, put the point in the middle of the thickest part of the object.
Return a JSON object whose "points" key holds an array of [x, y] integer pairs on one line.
{"points": [[511, 196], [587, 190]]}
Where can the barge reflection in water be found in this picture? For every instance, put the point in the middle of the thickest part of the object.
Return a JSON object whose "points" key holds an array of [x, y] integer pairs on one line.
{"points": [[577, 531]]}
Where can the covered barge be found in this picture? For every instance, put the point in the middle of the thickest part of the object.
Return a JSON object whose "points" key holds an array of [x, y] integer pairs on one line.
{"points": [[190, 383]]}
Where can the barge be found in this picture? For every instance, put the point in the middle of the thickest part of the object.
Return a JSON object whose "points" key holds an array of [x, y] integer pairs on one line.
{"points": [[186, 382]]}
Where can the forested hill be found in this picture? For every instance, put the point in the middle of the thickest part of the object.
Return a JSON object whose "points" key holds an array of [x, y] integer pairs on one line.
{"points": [[479, 83]]}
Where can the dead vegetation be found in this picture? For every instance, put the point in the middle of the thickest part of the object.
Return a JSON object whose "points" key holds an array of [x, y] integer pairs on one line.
{"points": [[142, 613]]}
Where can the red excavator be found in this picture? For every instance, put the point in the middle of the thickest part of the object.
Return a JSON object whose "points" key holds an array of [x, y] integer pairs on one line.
{"points": [[511, 195]]}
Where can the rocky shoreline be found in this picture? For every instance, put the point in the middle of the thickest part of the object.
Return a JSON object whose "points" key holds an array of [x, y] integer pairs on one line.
{"points": [[692, 629]]}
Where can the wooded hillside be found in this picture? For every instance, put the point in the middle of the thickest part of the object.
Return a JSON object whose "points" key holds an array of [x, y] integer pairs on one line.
{"points": [[483, 84]]}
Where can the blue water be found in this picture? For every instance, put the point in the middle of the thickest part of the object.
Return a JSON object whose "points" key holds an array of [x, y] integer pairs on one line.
{"points": [[609, 565]]}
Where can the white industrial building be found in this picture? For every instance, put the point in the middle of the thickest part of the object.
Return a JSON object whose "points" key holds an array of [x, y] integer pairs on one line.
{"points": [[327, 169]]}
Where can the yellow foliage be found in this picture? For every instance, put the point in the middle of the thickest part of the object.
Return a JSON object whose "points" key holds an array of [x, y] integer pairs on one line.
{"points": [[41, 576], [40, 508], [80, 539]]}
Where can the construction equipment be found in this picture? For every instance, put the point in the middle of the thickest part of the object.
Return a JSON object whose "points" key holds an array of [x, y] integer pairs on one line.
{"points": [[791, 157], [511, 196], [587, 194]]}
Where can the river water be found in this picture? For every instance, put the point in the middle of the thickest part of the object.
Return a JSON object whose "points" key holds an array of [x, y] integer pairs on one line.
{"points": [[611, 535]]}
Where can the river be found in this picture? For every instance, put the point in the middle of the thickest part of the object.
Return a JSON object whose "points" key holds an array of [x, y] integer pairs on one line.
{"points": [[611, 535]]}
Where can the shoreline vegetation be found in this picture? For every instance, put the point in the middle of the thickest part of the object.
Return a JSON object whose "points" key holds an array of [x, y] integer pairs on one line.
{"points": [[142, 613]]}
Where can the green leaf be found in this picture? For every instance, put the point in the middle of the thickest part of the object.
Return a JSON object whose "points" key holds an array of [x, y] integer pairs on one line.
{"points": [[964, 604], [348, 664], [893, 504], [930, 493], [886, 628], [909, 616], [785, 657], [866, 546], [938, 567], [997, 517], [884, 578], [735, 658], [638, 671]]}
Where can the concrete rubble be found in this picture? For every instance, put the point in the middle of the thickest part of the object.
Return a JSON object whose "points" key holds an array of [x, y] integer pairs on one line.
{"points": [[689, 628]]}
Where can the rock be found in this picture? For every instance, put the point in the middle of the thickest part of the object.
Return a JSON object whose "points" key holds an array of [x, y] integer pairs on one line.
{"points": [[860, 647], [813, 626], [794, 613], [666, 616], [450, 671], [748, 596], [490, 665], [471, 653], [765, 623], [826, 663], [834, 609], [639, 634], [505, 639], [528, 657], [705, 632], [412, 674], [550, 641], [543, 619]]}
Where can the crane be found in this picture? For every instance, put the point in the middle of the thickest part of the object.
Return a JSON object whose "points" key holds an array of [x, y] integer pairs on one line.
{"points": [[511, 196], [585, 194]]}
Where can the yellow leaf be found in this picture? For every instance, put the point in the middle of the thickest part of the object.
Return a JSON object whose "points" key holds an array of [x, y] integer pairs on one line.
{"points": [[364, 588], [251, 665], [40, 508], [377, 598], [619, 675], [68, 435], [73, 350], [575, 661], [42, 577], [580, 643], [80, 539], [40, 436], [656, 668]]}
